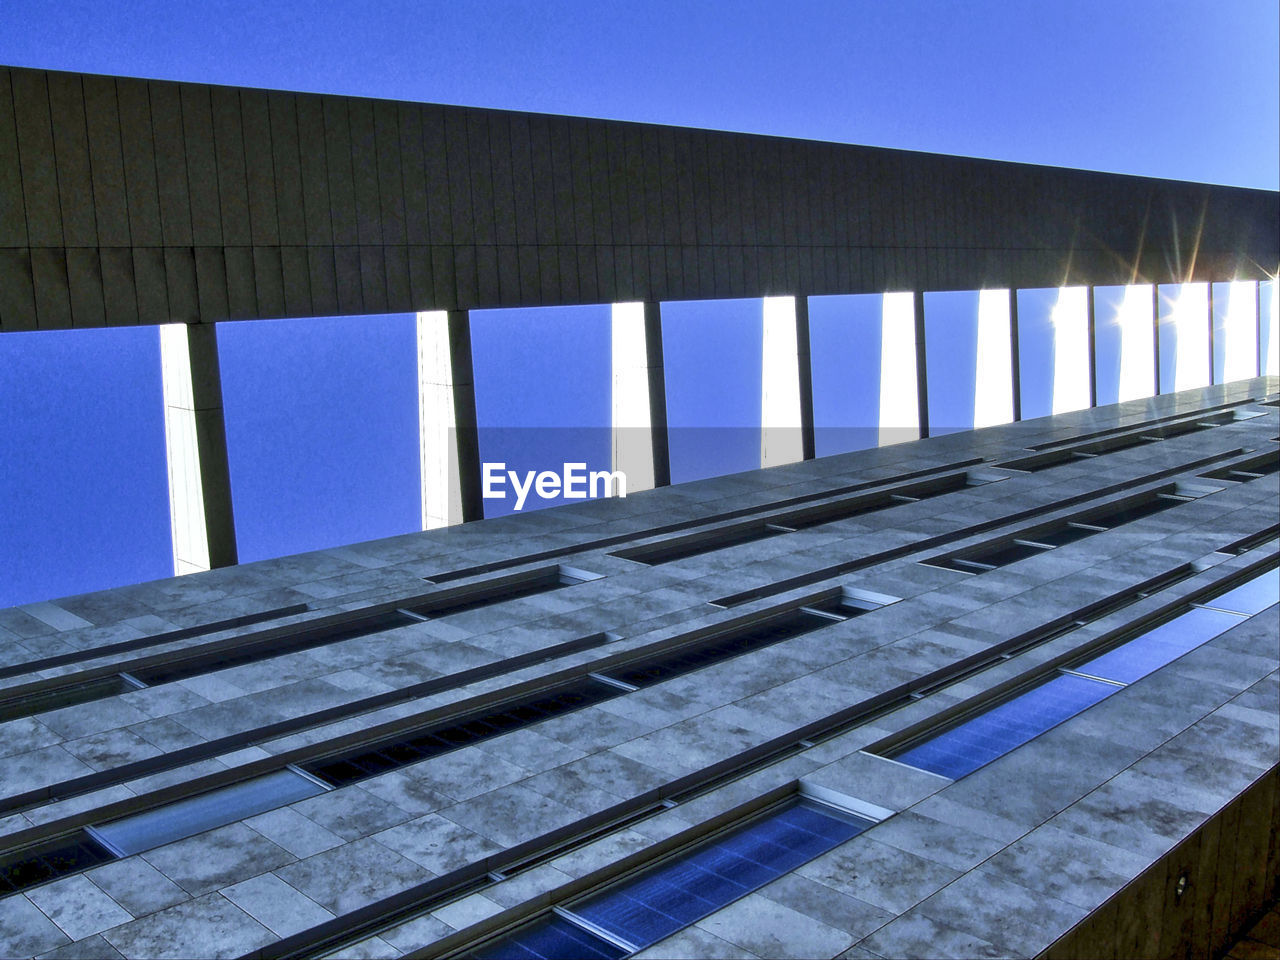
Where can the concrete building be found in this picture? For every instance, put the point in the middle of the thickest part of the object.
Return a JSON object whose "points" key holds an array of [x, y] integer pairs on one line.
{"points": [[1006, 692]]}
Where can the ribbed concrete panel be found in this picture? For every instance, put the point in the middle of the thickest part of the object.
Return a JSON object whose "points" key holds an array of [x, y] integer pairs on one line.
{"points": [[523, 209]]}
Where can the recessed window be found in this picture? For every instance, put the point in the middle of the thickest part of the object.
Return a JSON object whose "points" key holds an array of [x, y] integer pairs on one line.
{"points": [[643, 909], [977, 741], [186, 818]]}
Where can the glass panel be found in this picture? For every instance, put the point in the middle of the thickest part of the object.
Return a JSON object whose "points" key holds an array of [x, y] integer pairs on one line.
{"points": [[551, 938], [951, 355], [1184, 336], [186, 818], [713, 408], [1235, 331], [543, 396], [1035, 350], [1269, 328], [844, 343], [78, 407], [692, 885], [1163, 644], [1124, 337], [1251, 597], [976, 742], [322, 431]]}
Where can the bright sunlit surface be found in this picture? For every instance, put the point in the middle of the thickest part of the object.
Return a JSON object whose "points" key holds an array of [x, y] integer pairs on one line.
{"points": [[1070, 319], [993, 379], [781, 440], [1124, 329], [632, 414], [844, 350], [1270, 328], [543, 388], [1235, 331], [1184, 336], [899, 411]]}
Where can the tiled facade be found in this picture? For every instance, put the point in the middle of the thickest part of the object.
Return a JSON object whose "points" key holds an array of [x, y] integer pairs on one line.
{"points": [[1145, 825]]}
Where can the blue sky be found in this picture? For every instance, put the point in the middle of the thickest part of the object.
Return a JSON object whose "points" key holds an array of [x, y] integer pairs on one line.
{"points": [[322, 428]]}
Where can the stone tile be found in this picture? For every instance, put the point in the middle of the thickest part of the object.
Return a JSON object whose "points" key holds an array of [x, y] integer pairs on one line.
{"points": [[90, 948], [217, 858], [38, 768], [289, 829], [25, 930], [1005, 914], [466, 773], [469, 910], [353, 875], [210, 926], [350, 812], [137, 886], [916, 935], [415, 933], [111, 749], [79, 908], [878, 874], [945, 843], [437, 843], [276, 905], [1067, 866], [93, 717], [412, 796], [24, 734], [695, 942], [770, 929], [814, 900], [511, 814], [877, 780]]}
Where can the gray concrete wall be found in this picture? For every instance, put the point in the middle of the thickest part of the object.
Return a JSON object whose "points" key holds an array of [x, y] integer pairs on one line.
{"points": [[127, 201]]}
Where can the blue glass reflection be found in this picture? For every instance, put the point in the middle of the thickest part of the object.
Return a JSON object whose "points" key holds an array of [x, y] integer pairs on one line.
{"points": [[1163, 644], [976, 742]]}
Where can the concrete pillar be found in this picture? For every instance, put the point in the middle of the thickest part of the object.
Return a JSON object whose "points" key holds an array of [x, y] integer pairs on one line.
{"points": [[448, 443], [639, 422], [200, 510], [786, 389], [904, 401], [993, 391]]}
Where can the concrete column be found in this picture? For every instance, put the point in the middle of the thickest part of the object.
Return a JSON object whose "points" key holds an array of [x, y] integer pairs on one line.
{"points": [[200, 510], [1015, 357], [786, 389], [448, 444], [993, 392], [904, 404], [639, 425]]}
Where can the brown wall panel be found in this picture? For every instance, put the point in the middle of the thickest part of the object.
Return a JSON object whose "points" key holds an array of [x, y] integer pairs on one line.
{"points": [[202, 166], [401, 206], [386, 129], [84, 282], [171, 163], [13, 217], [71, 152], [255, 117], [287, 167], [35, 154], [17, 291]]}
